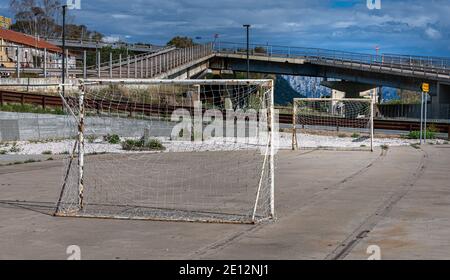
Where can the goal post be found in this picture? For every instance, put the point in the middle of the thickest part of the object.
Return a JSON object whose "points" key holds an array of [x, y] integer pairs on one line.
{"points": [[171, 150], [329, 123]]}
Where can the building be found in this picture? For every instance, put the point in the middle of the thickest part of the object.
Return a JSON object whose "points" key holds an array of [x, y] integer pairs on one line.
{"points": [[5, 22], [30, 51]]}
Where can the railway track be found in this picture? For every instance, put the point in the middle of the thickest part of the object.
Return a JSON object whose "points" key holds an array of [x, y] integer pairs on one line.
{"points": [[55, 101]]}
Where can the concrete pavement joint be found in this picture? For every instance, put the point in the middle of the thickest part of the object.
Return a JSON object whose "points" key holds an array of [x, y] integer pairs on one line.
{"points": [[221, 244], [346, 246]]}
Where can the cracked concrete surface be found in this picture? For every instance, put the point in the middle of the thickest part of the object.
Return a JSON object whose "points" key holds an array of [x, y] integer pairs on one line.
{"points": [[330, 205]]}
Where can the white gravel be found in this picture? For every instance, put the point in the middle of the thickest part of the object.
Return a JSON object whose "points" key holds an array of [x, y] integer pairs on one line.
{"points": [[316, 141], [215, 144]]}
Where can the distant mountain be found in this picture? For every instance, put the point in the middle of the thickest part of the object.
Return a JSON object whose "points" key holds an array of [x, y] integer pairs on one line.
{"points": [[284, 93], [311, 88], [308, 86]]}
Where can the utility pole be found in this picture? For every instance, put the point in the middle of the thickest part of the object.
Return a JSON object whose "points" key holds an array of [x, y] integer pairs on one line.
{"points": [[64, 8], [421, 118], [378, 60], [247, 26]]}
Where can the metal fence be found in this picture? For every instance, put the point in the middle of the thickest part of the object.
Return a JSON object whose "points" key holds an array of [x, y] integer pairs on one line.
{"points": [[20, 59], [415, 64], [412, 111], [146, 65], [95, 44]]}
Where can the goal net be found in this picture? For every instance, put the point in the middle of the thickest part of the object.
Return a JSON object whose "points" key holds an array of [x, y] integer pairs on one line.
{"points": [[332, 123], [177, 150]]}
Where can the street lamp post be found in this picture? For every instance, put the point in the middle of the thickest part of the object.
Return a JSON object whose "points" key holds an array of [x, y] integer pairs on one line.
{"points": [[247, 26], [64, 8]]}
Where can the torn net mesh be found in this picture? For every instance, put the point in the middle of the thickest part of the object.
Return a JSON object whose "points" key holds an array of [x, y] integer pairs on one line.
{"points": [[142, 160]]}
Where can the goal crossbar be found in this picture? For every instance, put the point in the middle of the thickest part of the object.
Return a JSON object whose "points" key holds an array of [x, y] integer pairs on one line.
{"points": [[172, 183], [334, 99], [321, 118]]}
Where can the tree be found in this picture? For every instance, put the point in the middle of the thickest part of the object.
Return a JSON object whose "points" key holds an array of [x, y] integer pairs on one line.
{"points": [[42, 17], [104, 55], [81, 32], [181, 42], [260, 50], [36, 17]]}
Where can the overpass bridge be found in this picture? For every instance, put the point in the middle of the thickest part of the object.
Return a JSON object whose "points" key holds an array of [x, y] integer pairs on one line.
{"points": [[398, 71], [92, 45], [391, 70]]}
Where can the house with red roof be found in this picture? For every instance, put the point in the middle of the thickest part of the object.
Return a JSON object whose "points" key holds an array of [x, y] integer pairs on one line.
{"points": [[30, 51]]}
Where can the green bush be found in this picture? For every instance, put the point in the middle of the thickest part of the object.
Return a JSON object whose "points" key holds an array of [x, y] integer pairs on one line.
{"points": [[112, 139], [91, 138], [47, 152], [15, 148], [140, 145], [355, 135], [27, 108], [416, 134]]}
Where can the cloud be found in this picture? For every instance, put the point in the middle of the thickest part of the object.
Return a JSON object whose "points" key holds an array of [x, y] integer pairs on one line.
{"points": [[121, 16], [400, 26], [433, 33], [111, 39]]}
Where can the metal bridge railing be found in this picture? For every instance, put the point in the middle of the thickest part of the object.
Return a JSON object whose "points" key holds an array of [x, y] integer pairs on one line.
{"points": [[151, 65], [388, 62], [45, 64], [89, 43], [134, 58]]}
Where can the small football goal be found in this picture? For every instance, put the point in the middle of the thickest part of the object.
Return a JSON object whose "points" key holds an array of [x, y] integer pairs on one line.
{"points": [[333, 123], [172, 150]]}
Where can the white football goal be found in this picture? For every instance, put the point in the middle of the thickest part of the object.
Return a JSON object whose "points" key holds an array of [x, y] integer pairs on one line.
{"points": [[333, 123], [172, 150]]}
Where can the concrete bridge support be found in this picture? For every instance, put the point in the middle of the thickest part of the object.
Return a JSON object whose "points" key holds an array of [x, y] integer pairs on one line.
{"points": [[345, 89], [440, 103]]}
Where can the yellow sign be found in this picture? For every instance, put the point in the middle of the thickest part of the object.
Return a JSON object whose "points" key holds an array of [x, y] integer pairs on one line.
{"points": [[426, 87], [5, 22]]}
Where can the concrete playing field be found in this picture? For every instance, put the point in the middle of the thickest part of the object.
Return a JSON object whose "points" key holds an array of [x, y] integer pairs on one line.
{"points": [[330, 204]]}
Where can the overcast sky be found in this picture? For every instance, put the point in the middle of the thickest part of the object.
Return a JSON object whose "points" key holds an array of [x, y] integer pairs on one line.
{"points": [[401, 26]]}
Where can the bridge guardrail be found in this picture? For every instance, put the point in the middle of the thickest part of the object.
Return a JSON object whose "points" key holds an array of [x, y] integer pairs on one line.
{"points": [[133, 59], [145, 65], [416, 64], [98, 44]]}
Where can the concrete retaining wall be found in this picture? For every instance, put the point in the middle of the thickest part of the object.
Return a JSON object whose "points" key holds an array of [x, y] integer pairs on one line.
{"points": [[34, 81], [28, 127]]}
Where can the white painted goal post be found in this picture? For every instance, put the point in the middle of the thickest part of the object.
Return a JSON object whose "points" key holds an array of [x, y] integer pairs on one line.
{"points": [[172, 150], [333, 123]]}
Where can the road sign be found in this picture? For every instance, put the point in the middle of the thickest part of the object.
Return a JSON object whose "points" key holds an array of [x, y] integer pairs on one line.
{"points": [[426, 87]]}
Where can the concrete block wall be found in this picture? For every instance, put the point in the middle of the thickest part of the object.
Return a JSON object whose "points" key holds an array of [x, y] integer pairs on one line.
{"points": [[34, 81], [34, 127]]}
